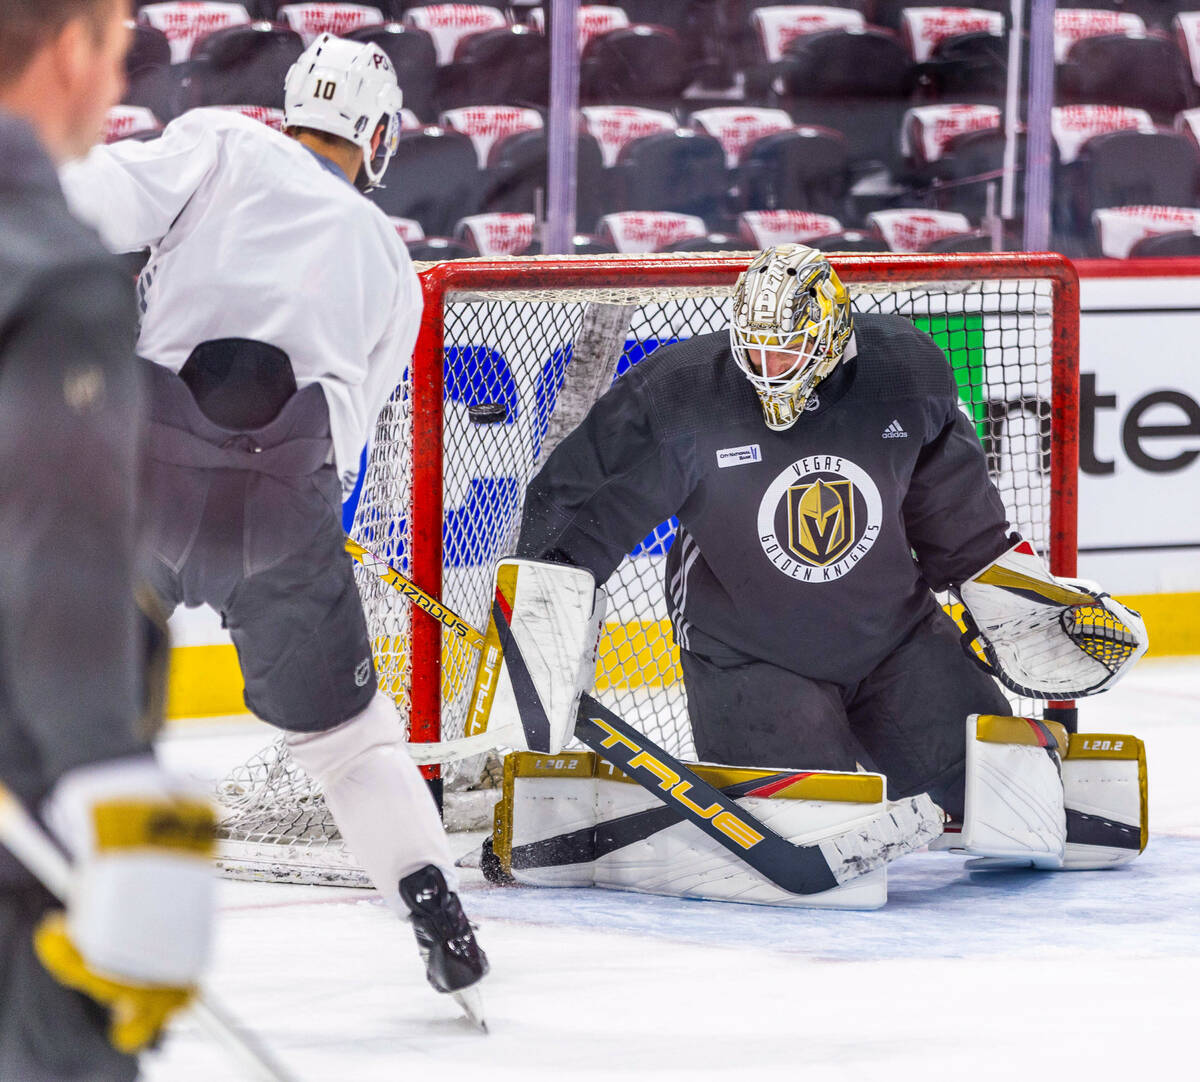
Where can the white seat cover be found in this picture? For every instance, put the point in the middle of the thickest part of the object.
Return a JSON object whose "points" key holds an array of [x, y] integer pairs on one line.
{"points": [[913, 230], [766, 228], [448, 24], [735, 129], [635, 231], [487, 124], [185, 23]]}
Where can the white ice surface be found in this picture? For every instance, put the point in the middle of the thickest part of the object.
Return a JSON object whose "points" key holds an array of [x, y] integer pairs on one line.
{"points": [[1018, 976]]}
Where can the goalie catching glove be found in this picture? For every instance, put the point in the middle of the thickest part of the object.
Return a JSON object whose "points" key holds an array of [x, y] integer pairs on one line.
{"points": [[1046, 637], [136, 931]]}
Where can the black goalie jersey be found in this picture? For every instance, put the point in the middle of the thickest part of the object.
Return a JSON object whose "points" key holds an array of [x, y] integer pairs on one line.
{"points": [[815, 548]]}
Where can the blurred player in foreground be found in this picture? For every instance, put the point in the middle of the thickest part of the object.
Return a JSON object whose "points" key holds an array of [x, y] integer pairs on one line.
{"points": [[826, 483], [80, 992], [280, 308]]}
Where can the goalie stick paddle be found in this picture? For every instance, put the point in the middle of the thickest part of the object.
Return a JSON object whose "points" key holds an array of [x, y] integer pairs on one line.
{"points": [[798, 869], [30, 844]]}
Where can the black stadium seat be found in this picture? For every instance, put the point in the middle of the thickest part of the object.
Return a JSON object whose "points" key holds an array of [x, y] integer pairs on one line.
{"points": [[517, 170], [857, 83], [150, 82], [971, 162], [970, 68], [681, 171], [1183, 243], [1147, 73], [433, 178], [801, 169], [713, 242], [435, 249], [636, 65], [412, 54], [506, 66], [1130, 168], [852, 240], [242, 65]]}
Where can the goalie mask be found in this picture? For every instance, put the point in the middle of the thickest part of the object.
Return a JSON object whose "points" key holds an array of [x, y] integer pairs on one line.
{"points": [[346, 89], [789, 302]]}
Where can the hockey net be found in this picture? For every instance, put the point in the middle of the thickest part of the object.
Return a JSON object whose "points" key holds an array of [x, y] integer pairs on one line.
{"points": [[511, 355]]}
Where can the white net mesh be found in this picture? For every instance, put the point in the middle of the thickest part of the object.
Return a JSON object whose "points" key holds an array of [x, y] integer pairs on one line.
{"points": [[544, 355]]}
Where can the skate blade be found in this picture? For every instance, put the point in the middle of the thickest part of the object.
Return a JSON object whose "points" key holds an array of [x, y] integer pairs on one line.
{"points": [[471, 1002]]}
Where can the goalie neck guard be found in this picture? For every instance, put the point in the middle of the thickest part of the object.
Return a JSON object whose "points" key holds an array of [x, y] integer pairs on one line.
{"points": [[789, 302], [346, 89]]}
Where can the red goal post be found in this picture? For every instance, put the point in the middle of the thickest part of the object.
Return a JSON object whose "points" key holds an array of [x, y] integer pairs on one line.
{"points": [[863, 273]]}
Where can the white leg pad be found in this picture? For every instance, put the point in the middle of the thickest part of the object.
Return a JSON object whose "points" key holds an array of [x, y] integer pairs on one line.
{"points": [[380, 802], [1014, 815]]}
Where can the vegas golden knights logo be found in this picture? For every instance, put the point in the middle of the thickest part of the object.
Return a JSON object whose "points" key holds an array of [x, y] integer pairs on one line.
{"points": [[819, 517], [821, 520]]}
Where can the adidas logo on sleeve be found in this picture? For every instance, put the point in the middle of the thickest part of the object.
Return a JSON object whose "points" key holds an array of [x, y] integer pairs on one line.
{"points": [[894, 432]]}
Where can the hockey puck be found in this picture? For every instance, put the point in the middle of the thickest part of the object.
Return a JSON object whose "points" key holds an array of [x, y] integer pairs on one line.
{"points": [[488, 413]]}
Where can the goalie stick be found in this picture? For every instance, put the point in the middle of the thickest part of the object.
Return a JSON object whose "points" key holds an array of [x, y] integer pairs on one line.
{"points": [[798, 869], [30, 844]]}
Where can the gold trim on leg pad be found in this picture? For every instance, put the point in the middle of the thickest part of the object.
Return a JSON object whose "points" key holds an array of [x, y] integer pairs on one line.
{"points": [[1107, 792], [998, 729]]}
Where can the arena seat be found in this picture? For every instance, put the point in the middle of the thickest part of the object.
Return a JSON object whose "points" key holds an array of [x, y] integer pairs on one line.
{"points": [[149, 80], [492, 234], [516, 171], [857, 83], [1133, 168], [636, 65], [311, 20], [766, 228], [448, 24], [924, 28], [710, 242], [509, 64], [633, 232], [1073, 24], [890, 13], [1119, 232], [913, 229], [971, 162], [486, 124], [736, 127], [977, 240], [850, 240], [804, 168], [1181, 242], [1147, 73], [129, 122], [413, 56], [185, 23], [613, 126], [591, 20], [971, 68], [681, 171], [433, 178], [1186, 30], [437, 249], [242, 65]]}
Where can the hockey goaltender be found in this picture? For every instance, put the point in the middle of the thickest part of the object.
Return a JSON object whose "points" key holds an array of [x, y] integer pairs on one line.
{"points": [[826, 483]]}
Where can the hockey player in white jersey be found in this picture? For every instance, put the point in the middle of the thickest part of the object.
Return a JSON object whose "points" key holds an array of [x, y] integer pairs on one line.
{"points": [[279, 309]]}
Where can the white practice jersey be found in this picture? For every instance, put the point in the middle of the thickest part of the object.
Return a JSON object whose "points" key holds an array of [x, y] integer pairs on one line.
{"points": [[251, 236]]}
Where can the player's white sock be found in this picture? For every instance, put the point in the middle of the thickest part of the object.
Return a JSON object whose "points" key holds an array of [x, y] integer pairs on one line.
{"points": [[379, 800]]}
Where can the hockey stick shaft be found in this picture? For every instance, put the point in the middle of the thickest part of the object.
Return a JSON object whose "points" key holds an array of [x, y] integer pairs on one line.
{"points": [[423, 601], [798, 869], [29, 843]]}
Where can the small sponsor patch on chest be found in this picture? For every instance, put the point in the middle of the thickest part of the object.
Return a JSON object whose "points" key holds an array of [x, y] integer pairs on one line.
{"points": [[738, 456]]}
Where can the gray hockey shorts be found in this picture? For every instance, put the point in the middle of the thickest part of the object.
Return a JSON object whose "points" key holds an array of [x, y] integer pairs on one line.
{"points": [[905, 720], [249, 522], [48, 1033]]}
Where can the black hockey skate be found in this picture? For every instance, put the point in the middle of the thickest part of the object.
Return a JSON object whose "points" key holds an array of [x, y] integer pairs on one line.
{"points": [[454, 962]]}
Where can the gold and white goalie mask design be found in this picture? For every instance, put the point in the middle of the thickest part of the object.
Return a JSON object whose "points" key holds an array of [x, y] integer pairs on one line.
{"points": [[791, 325]]}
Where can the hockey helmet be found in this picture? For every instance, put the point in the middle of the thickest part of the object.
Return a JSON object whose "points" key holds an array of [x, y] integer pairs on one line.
{"points": [[789, 301], [346, 89]]}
